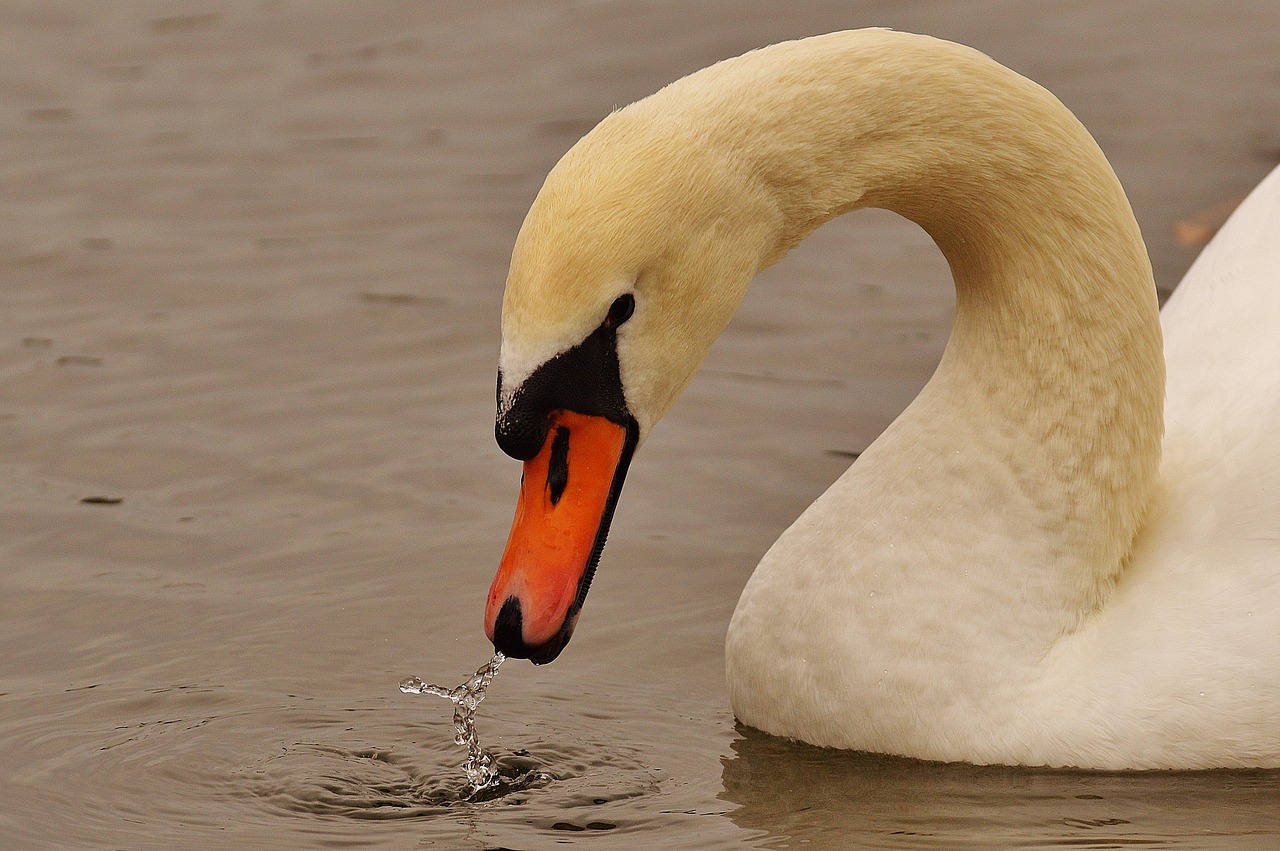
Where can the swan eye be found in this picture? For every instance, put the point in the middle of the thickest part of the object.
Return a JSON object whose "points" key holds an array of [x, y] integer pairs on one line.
{"points": [[620, 311]]}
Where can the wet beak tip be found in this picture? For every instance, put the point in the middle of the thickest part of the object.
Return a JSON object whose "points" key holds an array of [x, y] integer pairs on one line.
{"points": [[566, 501]]}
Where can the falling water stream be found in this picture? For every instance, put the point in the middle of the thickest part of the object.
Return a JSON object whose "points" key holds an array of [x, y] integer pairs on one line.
{"points": [[480, 767]]}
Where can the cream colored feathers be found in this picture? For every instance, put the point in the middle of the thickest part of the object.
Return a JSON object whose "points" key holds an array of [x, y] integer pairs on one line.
{"points": [[968, 590]]}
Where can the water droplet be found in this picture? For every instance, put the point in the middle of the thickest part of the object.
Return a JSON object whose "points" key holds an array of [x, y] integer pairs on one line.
{"points": [[480, 767]]}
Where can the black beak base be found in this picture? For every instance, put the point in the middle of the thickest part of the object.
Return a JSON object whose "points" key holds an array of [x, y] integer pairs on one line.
{"points": [[508, 638]]}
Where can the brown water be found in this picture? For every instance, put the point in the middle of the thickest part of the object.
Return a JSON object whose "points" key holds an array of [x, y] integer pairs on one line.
{"points": [[252, 256]]}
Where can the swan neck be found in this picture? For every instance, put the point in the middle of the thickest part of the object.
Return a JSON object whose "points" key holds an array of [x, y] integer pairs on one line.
{"points": [[1054, 372]]}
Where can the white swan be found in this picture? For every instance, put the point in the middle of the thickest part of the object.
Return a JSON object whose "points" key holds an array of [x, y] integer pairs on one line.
{"points": [[1010, 573]]}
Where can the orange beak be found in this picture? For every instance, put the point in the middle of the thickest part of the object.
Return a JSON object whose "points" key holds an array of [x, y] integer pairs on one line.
{"points": [[566, 501]]}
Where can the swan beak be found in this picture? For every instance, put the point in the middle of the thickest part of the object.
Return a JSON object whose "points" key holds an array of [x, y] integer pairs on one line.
{"points": [[567, 495]]}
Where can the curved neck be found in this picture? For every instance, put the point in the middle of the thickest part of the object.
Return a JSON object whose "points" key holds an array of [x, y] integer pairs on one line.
{"points": [[1049, 395]]}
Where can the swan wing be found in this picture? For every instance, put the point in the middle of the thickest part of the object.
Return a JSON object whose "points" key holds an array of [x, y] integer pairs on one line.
{"points": [[1222, 409], [1182, 664]]}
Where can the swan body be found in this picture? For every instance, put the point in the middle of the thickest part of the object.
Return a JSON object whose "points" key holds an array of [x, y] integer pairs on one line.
{"points": [[1052, 557]]}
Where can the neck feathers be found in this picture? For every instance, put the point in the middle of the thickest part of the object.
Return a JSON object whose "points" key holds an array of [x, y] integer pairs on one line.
{"points": [[1050, 392]]}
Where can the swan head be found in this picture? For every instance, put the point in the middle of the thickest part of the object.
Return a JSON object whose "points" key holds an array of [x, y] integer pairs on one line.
{"points": [[630, 263]]}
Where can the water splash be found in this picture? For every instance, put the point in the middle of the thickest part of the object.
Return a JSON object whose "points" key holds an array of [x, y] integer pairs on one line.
{"points": [[480, 766]]}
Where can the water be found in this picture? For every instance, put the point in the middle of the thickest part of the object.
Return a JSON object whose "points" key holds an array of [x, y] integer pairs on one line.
{"points": [[253, 257], [480, 768]]}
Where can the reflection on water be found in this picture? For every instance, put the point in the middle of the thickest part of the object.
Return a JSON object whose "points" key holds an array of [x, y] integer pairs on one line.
{"points": [[834, 799]]}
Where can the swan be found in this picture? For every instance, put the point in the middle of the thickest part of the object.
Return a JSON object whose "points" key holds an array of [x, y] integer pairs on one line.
{"points": [[1053, 557]]}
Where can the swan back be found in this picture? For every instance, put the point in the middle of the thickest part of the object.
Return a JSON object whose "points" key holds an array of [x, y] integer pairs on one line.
{"points": [[1179, 669], [1222, 444], [1222, 340]]}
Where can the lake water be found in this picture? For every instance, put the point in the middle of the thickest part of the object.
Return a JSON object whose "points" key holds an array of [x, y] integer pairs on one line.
{"points": [[253, 254]]}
